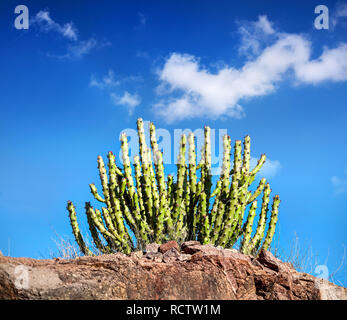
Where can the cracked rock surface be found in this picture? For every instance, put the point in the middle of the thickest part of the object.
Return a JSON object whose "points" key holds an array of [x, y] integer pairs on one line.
{"points": [[169, 271]]}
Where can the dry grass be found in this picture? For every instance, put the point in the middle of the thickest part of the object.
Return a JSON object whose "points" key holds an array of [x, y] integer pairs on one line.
{"points": [[303, 258]]}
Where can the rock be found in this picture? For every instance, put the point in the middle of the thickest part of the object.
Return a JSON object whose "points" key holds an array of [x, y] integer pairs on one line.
{"points": [[225, 275], [154, 256], [189, 243], [1, 253], [267, 259], [193, 247], [184, 257], [136, 254], [168, 245], [152, 247], [208, 249], [171, 255]]}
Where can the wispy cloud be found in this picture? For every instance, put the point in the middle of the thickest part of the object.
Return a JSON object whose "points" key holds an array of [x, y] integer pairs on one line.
{"points": [[254, 35], [109, 82], [142, 54], [339, 184], [47, 24], [193, 91], [127, 99], [76, 48], [143, 19], [340, 13]]}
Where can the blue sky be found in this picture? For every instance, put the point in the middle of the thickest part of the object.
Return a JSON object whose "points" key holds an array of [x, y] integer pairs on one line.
{"points": [[84, 71]]}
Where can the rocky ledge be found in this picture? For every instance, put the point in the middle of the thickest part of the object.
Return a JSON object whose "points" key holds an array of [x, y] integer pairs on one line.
{"points": [[169, 271]]}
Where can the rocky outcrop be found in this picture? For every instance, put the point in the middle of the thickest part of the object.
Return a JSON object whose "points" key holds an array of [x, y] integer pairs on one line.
{"points": [[191, 271]]}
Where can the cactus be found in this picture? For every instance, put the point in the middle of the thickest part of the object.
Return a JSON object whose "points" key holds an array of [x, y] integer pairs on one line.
{"points": [[139, 200]]}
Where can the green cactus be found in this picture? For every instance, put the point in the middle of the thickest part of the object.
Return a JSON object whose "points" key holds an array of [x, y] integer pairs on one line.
{"points": [[139, 200]]}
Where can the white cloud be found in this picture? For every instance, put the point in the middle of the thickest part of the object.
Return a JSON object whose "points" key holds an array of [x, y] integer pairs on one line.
{"points": [[265, 25], [128, 100], [331, 65], [46, 23], [339, 184], [269, 169], [194, 91]]}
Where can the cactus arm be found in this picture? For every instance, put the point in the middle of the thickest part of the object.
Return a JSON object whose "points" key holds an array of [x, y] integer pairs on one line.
{"points": [[248, 228], [127, 166], [142, 141], [153, 139], [225, 174], [259, 233], [232, 209], [75, 229], [207, 175], [202, 159], [137, 167], [180, 180], [272, 223], [170, 189], [163, 195], [148, 197], [246, 154], [256, 169], [218, 223], [219, 205], [235, 229], [146, 171], [104, 181], [196, 214], [95, 193], [217, 190], [134, 210], [217, 194], [204, 234], [95, 234], [258, 191], [192, 182], [154, 189], [109, 237]]}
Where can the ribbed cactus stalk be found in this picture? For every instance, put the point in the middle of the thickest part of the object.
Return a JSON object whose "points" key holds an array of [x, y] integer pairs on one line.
{"points": [[76, 230], [141, 204], [272, 224], [179, 201]]}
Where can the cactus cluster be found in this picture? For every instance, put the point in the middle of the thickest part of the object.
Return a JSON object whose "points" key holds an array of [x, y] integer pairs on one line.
{"points": [[142, 205]]}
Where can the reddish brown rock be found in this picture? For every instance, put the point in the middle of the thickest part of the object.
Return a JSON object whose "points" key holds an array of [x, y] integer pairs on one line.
{"points": [[152, 247], [189, 243], [184, 257], [225, 275], [154, 256], [193, 247], [137, 254], [171, 255], [169, 245]]}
